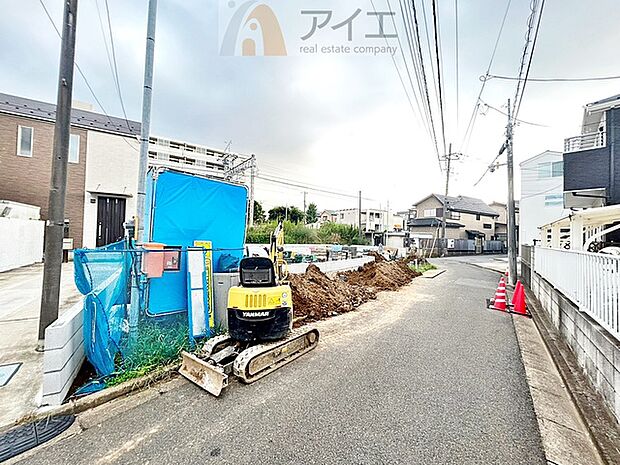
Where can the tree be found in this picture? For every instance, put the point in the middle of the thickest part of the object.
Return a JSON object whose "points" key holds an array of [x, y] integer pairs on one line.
{"points": [[292, 214], [259, 212], [311, 213]]}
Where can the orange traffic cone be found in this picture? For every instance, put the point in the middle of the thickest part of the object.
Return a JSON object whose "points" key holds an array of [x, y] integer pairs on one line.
{"points": [[515, 293], [519, 305], [499, 302]]}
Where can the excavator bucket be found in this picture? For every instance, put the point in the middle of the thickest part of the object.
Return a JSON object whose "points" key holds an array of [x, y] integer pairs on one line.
{"points": [[209, 377]]}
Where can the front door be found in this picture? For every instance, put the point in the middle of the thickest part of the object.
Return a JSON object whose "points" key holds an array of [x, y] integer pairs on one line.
{"points": [[110, 219]]}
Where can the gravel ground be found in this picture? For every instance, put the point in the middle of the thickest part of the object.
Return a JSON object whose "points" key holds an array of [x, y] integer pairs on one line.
{"points": [[424, 375]]}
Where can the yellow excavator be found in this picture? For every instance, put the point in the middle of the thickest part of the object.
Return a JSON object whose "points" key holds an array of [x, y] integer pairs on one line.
{"points": [[260, 335]]}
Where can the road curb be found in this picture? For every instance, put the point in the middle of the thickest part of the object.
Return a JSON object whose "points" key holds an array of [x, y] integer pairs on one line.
{"points": [[602, 428], [94, 400]]}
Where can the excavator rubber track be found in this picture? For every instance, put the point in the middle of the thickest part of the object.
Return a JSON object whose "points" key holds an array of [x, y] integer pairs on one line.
{"points": [[258, 361]]}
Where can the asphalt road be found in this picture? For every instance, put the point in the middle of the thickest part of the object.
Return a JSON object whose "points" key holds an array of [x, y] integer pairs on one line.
{"points": [[425, 375]]}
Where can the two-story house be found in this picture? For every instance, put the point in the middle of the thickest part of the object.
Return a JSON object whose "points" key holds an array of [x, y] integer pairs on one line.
{"points": [[592, 159], [466, 217], [542, 193], [501, 222], [26, 144], [102, 172]]}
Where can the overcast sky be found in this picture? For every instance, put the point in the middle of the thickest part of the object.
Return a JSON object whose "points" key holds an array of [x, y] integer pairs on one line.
{"points": [[339, 122]]}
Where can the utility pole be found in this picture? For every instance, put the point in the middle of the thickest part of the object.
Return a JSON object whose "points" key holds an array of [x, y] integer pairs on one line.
{"points": [[448, 159], [54, 230], [305, 194], [147, 98], [252, 176], [359, 215], [512, 220]]}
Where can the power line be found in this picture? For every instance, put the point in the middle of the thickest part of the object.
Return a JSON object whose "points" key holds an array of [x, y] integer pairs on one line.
{"points": [[517, 106], [118, 82], [523, 71], [418, 65], [422, 81], [456, 51], [516, 119], [88, 86], [302, 186], [488, 77], [400, 77], [438, 59], [472, 120]]}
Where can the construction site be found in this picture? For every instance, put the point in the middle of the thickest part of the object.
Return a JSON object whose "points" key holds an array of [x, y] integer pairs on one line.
{"points": [[259, 232]]}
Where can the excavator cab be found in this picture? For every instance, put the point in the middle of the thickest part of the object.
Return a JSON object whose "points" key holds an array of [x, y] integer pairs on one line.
{"points": [[259, 309]]}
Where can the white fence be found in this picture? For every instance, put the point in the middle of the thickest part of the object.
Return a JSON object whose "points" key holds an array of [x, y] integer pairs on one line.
{"points": [[590, 280]]}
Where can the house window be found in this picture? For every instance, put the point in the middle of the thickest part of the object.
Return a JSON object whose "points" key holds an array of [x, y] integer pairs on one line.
{"points": [[478, 217], [429, 212], [550, 169], [24, 141], [554, 200], [342, 216], [455, 215], [74, 148], [487, 226]]}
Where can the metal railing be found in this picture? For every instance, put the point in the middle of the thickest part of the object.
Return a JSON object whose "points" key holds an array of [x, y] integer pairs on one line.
{"points": [[589, 280], [585, 142]]}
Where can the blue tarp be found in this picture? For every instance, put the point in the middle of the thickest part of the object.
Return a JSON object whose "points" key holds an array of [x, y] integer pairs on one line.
{"points": [[183, 209]]}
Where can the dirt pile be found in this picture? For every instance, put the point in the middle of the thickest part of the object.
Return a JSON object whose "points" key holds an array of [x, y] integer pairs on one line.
{"points": [[316, 296], [381, 275]]}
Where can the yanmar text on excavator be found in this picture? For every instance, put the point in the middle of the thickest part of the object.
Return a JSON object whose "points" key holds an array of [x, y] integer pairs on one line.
{"points": [[260, 335]]}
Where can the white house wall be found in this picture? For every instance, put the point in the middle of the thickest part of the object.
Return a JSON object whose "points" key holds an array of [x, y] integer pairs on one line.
{"points": [[111, 169], [532, 209]]}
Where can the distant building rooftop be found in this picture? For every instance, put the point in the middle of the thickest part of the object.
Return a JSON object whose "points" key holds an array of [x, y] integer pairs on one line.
{"points": [[464, 204]]}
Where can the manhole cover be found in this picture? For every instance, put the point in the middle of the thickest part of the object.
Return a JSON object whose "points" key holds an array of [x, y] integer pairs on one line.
{"points": [[25, 437], [7, 372]]}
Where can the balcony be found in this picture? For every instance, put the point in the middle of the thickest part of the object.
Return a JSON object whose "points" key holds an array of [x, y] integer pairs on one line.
{"points": [[589, 141]]}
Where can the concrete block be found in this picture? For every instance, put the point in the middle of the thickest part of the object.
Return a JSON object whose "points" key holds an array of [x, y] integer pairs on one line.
{"points": [[580, 353], [63, 329], [591, 370], [581, 338], [56, 381], [616, 358], [605, 367], [56, 359], [603, 342], [617, 394], [607, 392]]}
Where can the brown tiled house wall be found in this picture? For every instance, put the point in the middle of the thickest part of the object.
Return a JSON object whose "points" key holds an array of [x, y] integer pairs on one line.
{"points": [[27, 180]]}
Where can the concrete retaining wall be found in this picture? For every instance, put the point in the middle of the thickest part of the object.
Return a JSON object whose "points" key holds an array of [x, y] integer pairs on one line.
{"points": [[21, 242], [330, 267], [63, 356], [597, 352]]}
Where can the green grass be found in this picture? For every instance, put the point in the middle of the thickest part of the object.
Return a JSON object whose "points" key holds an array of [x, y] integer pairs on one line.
{"points": [[157, 345], [422, 267]]}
